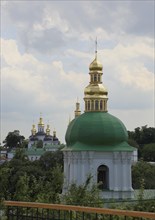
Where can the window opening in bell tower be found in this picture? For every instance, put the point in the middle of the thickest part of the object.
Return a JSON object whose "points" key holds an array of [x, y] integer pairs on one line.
{"points": [[103, 177]]}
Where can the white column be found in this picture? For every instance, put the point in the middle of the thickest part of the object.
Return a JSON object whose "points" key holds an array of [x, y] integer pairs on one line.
{"points": [[78, 168], [129, 180], [124, 171], [66, 180], [115, 180], [83, 176], [75, 167]]}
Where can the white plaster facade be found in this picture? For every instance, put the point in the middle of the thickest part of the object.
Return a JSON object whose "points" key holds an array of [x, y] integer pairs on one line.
{"points": [[79, 165]]}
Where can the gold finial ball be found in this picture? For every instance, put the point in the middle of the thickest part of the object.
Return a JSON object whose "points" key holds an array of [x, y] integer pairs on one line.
{"points": [[95, 65]]}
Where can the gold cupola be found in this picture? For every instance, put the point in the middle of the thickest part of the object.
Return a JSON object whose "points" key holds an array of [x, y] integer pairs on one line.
{"points": [[77, 111], [48, 130], [41, 124], [54, 133], [95, 94], [33, 130], [95, 64]]}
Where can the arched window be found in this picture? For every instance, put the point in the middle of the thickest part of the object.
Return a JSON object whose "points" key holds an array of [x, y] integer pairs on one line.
{"points": [[101, 105], [96, 104], [103, 177], [95, 78], [88, 105], [92, 105], [104, 105], [99, 78], [91, 78]]}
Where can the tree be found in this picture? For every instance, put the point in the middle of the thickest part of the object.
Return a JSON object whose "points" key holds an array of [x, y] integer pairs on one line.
{"points": [[83, 195], [22, 190], [141, 137], [148, 152], [14, 139], [21, 179], [51, 159], [143, 170]]}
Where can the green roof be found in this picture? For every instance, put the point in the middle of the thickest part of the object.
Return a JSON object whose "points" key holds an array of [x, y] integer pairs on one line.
{"points": [[97, 131], [35, 151]]}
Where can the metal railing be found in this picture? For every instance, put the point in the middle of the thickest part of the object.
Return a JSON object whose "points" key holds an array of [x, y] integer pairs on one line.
{"points": [[42, 211]]}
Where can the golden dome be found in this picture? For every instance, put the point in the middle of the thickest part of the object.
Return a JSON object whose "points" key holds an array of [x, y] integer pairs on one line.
{"points": [[97, 91], [95, 65], [41, 122], [33, 130], [48, 130]]}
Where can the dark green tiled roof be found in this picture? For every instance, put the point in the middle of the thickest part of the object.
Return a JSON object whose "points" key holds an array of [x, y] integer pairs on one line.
{"points": [[97, 131]]}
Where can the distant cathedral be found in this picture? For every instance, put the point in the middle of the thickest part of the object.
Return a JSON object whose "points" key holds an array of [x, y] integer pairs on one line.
{"points": [[41, 135]]}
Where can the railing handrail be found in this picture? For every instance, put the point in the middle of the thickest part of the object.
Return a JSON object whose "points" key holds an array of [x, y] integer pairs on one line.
{"points": [[118, 212]]}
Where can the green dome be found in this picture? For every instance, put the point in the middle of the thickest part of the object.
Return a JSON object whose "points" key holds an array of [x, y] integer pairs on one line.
{"points": [[97, 131]]}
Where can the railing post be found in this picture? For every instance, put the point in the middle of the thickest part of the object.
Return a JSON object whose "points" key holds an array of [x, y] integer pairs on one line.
{"points": [[70, 215]]}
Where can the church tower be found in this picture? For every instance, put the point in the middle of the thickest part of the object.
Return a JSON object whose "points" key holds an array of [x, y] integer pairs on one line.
{"points": [[95, 93], [97, 143], [77, 110]]}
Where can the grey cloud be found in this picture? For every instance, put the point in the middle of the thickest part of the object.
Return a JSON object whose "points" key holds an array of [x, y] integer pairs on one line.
{"points": [[141, 21], [82, 17], [119, 100], [44, 42]]}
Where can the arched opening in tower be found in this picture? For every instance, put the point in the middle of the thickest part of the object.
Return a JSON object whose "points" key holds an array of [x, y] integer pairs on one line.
{"points": [[103, 177]]}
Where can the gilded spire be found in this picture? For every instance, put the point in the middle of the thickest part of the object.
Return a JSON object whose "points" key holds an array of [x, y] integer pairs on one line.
{"points": [[41, 124], [33, 130], [48, 130], [96, 48], [54, 133], [77, 110], [41, 120], [95, 93]]}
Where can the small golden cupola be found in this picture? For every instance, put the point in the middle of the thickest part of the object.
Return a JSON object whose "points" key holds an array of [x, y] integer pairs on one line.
{"points": [[48, 130], [54, 133], [40, 124], [95, 94], [77, 110], [33, 130]]}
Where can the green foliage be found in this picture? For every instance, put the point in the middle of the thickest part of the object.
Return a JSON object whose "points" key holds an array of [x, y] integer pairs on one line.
{"points": [[143, 170], [83, 195], [141, 190], [133, 143], [142, 137], [51, 159], [24, 180], [20, 154], [14, 139], [148, 152]]}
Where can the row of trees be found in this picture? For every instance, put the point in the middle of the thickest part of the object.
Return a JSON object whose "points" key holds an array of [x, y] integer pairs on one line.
{"points": [[144, 139], [42, 181]]}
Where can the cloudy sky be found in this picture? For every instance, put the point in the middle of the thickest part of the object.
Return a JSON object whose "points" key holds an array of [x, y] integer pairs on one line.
{"points": [[46, 49]]}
